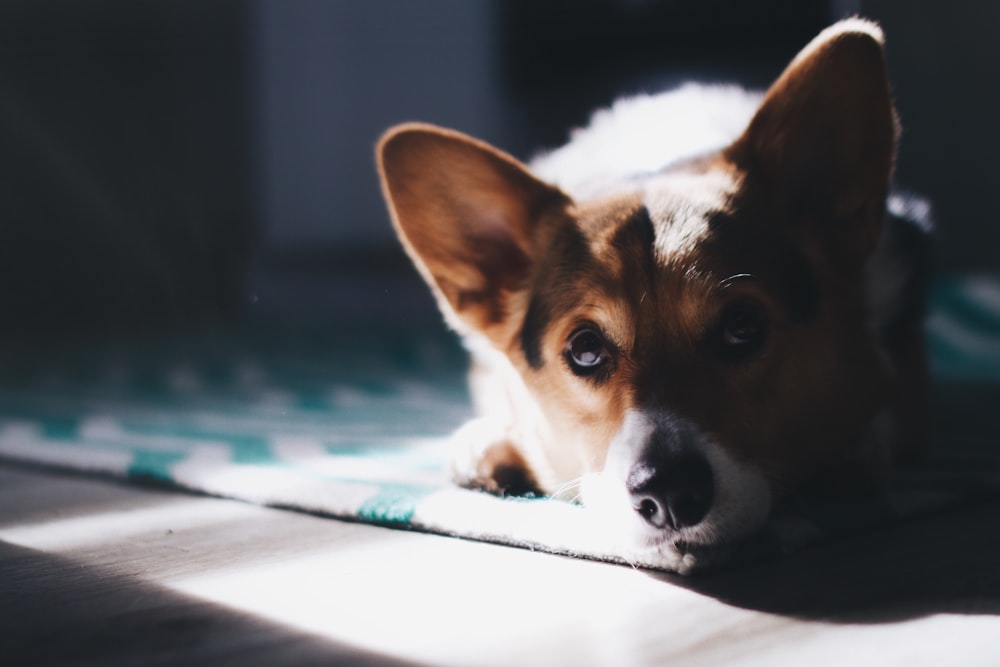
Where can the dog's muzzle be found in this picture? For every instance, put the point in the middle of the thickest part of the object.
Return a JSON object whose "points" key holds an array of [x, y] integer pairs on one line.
{"points": [[671, 485], [672, 491]]}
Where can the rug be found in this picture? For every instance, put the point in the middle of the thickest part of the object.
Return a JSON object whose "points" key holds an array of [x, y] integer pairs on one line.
{"points": [[355, 428]]}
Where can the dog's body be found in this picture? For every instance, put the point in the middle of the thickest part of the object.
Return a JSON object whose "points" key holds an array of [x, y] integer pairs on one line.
{"points": [[696, 307]]}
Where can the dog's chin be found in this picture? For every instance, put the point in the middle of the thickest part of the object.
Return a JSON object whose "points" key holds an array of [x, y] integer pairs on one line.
{"points": [[679, 555], [684, 551]]}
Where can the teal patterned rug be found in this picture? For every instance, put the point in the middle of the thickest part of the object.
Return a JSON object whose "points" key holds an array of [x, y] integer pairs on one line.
{"points": [[355, 428]]}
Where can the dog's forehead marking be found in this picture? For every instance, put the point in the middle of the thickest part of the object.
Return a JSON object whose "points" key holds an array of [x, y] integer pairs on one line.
{"points": [[630, 240], [681, 204]]}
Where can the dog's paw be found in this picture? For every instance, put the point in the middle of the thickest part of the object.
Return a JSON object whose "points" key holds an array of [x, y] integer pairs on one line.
{"points": [[483, 458]]}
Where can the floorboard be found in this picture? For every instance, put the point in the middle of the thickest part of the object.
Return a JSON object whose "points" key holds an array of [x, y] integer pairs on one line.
{"points": [[94, 572]]}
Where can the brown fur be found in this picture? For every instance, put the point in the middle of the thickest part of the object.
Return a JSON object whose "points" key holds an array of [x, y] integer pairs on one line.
{"points": [[785, 217]]}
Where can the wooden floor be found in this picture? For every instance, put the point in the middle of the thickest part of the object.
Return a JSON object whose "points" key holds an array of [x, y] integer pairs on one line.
{"points": [[94, 572]]}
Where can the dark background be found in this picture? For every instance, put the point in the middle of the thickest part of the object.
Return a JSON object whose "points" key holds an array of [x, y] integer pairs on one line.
{"points": [[167, 163]]}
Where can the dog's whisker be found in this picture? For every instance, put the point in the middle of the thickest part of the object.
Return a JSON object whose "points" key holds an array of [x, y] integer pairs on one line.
{"points": [[726, 282], [572, 485]]}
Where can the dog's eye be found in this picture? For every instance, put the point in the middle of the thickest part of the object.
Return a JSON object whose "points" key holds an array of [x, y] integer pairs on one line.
{"points": [[742, 329], [586, 351]]}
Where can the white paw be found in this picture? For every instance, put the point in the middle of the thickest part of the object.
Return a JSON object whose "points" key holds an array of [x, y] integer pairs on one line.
{"points": [[469, 445]]}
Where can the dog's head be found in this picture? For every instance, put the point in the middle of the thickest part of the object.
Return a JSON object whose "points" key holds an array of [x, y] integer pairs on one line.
{"points": [[699, 344]]}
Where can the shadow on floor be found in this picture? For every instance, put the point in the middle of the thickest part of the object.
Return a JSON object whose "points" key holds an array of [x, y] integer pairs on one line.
{"points": [[940, 562]]}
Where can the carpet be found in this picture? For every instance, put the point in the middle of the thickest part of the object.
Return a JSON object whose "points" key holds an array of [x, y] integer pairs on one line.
{"points": [[354, 427]]}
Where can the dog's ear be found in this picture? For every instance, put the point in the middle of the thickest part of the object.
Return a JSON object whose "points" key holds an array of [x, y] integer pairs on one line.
{"points": [[825, 134], [468, 215]]}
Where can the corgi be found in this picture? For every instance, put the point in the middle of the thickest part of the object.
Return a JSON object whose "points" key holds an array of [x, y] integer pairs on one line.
{"points": [[707, 302]]}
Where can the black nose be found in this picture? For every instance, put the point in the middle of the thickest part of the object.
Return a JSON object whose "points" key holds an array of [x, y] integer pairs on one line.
{"points": [[674, 491]]}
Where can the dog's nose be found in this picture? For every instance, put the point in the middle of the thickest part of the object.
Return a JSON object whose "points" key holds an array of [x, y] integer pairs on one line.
{"points": [[675, 492]]}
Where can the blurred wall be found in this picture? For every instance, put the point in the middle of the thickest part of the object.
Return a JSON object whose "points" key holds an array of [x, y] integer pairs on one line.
{"points": [[124, 163], [330, 78], [944, 59]]}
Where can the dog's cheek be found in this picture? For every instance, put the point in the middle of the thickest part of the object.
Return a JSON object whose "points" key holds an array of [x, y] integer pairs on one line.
{"points": [[582, 421], [806, 413], [744, 493]]}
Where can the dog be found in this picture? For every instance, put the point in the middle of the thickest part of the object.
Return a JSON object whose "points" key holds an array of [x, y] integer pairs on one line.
{"points": [[707, 302]]}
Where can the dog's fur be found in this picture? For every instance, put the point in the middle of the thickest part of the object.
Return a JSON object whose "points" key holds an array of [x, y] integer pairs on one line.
{"points": [[697, 307]]}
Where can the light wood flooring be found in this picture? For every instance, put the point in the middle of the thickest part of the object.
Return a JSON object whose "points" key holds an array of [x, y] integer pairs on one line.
{"points": [[94, 572]]}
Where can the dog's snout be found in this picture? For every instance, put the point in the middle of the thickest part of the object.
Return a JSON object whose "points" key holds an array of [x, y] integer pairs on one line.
{"points": [[675, 492]]}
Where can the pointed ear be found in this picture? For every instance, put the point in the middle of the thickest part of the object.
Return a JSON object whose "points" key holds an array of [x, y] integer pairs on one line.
{"points": [[468, 216], [824, 137]]}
